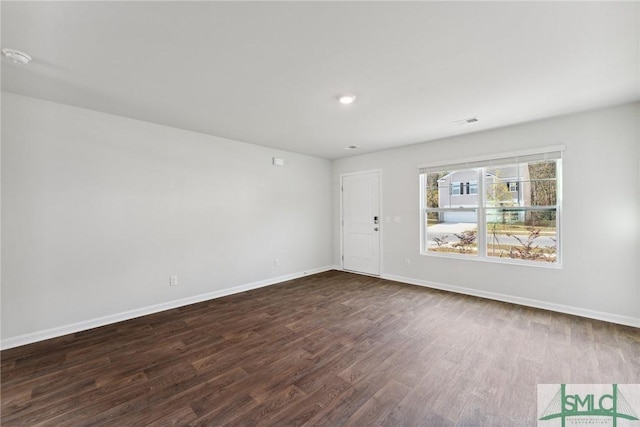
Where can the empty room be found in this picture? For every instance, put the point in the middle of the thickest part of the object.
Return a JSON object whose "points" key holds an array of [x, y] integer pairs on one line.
{"points": [[320, 213]]}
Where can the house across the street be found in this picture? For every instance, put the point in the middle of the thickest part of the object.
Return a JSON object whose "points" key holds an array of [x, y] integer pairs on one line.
{"points": [[504, 186]]}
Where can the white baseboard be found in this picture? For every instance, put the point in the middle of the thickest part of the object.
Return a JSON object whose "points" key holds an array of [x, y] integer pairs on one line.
{"points": [[576, 311], [118, 317]]}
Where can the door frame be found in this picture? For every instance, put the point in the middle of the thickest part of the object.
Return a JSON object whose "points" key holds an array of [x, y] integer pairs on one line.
{"points": [[380, 204]]}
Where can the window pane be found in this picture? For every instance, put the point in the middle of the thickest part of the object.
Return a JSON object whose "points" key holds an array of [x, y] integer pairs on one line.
{"points": [[541, 192], [522, 234], [502, 184], [502, 193], [452, 189], [449, 232], [524, 184], [438, 190], [542, 170]]}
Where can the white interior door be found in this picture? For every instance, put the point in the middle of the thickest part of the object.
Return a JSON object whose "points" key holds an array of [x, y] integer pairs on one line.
{"points": [[361, 223]]}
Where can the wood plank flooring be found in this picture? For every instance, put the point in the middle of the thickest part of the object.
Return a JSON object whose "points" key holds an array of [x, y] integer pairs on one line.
{"points": [[332, 349]]}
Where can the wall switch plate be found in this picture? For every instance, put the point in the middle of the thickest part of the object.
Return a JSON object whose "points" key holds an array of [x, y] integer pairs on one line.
{"points": [[173, 281]]}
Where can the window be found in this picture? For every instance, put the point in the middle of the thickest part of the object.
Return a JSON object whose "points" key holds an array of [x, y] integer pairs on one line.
{"points": [[505, 209], [462, 188], [473, 187]]}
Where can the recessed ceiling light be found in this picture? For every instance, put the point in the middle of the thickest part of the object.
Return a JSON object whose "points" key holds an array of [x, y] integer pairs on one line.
{"points": [[346, 98], [351, 147], [16, 56]]}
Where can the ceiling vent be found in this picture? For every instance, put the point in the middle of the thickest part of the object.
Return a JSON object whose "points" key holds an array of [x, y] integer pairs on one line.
{"points": [[467, 121]]}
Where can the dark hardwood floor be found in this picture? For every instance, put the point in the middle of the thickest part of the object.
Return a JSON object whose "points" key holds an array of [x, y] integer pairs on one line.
{"points": [[331, 349]]}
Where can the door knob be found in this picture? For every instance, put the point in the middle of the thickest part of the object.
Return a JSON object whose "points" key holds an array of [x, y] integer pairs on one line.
{"points": [[375, 229]]}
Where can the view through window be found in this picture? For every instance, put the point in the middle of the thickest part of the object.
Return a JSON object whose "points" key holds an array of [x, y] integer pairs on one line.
{"points": [[507, 209]]}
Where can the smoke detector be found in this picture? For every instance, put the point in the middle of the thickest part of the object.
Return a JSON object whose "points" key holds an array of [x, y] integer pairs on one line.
{"points": [[16, 56]]}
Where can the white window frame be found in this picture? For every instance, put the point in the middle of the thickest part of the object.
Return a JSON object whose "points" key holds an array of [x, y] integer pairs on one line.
{"points": [[480, 163]]}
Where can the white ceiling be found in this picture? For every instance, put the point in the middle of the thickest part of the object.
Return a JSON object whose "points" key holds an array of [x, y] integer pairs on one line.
{"points": [[268, 73]]}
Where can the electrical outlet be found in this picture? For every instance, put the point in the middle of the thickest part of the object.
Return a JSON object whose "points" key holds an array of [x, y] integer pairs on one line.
{"points": [[173, 281], [276, 262], [407, 261]]}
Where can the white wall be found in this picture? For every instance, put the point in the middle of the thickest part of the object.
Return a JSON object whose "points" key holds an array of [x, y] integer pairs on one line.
{"points": [[601, 240], [98, 211]]}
